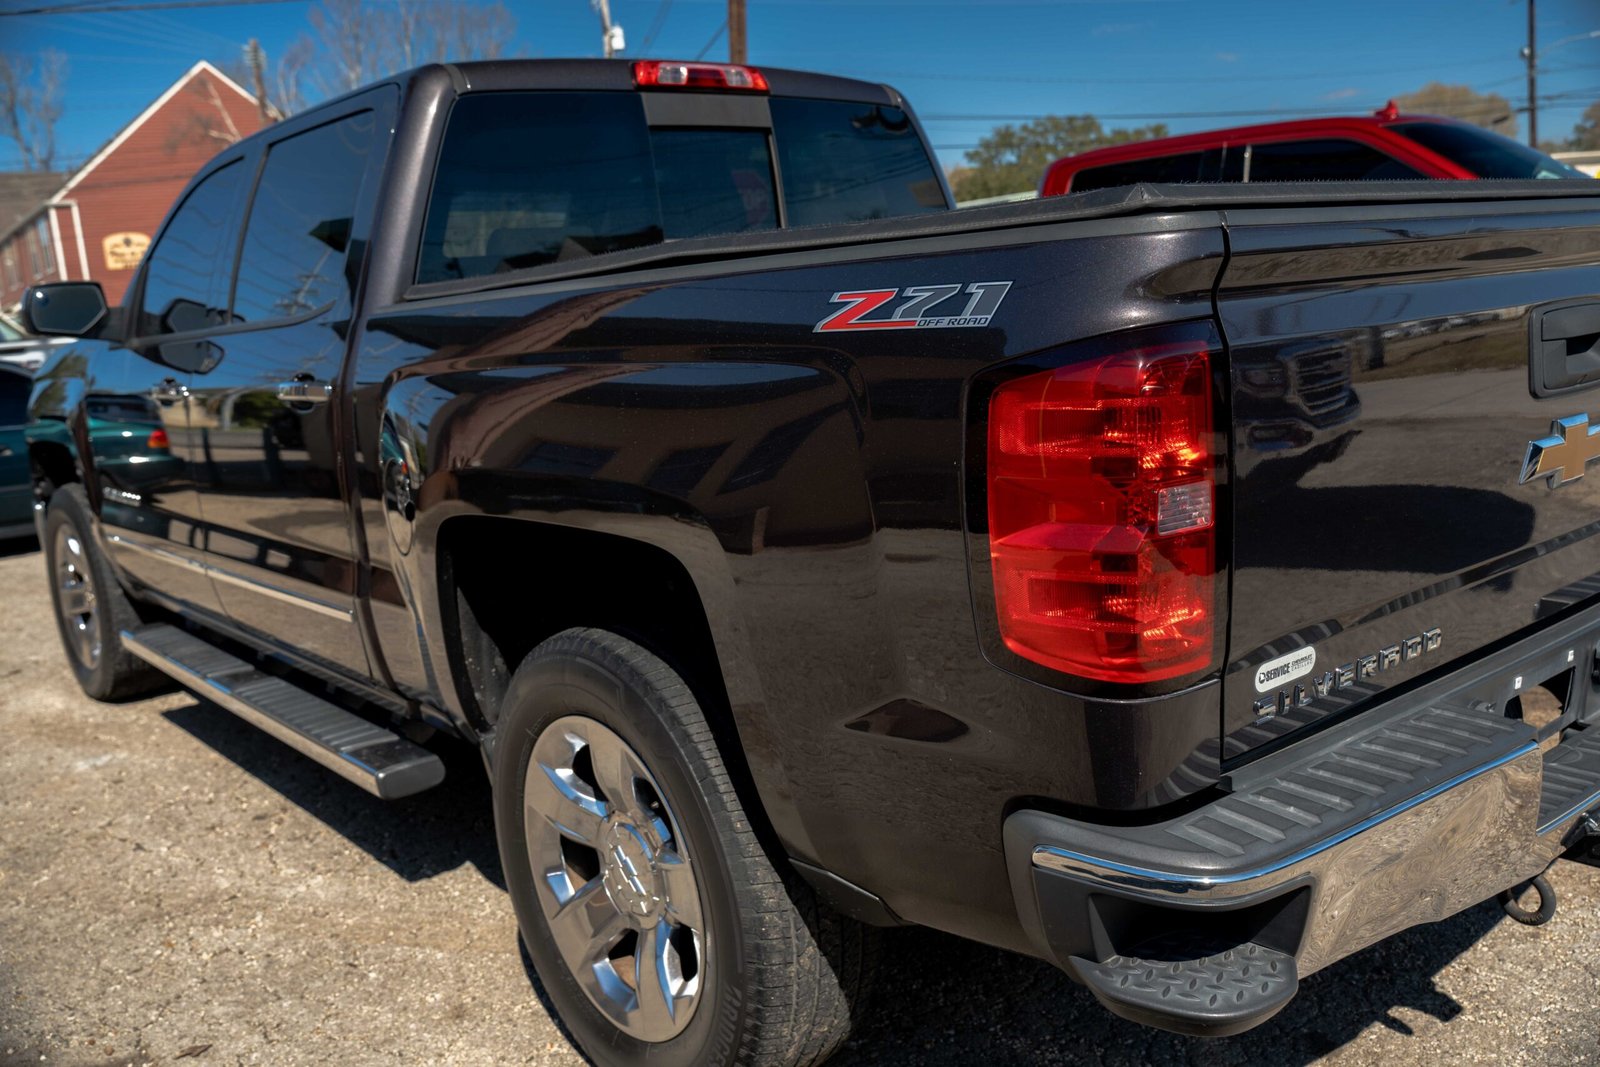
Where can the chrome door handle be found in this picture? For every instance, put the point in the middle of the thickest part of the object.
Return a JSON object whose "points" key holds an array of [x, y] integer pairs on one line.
{"points": [[169, 390], [309, 391]]}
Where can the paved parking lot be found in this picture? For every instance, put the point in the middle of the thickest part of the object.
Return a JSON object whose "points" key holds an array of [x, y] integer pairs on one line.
{"points": [[178, 888]]}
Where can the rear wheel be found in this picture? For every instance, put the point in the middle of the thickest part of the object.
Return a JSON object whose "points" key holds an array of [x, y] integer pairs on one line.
{"points": [[91, 608], [659, 926]]}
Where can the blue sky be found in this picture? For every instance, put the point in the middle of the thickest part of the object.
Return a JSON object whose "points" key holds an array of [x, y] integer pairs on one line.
{"points": [[993, 60]]}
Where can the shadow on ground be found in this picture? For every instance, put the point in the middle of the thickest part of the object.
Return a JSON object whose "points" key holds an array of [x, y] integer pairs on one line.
{"points": [[18, 546], [416, 837], [947, 1001], [941, 1000]]}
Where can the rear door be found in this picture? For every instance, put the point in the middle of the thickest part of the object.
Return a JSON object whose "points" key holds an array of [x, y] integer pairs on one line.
{"points": [[266, 403], [1382, 416]]}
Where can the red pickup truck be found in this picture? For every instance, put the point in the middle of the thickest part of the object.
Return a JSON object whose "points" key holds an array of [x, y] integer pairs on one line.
{"points": [[1384, 145]]}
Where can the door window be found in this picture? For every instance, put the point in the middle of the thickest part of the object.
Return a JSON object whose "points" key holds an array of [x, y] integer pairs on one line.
{"points": [[186, 277], [14, 390], [1329, 160], [300, 220]]}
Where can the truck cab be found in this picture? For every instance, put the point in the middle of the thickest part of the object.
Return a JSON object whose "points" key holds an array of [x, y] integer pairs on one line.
{"points": [[1384, 146]]}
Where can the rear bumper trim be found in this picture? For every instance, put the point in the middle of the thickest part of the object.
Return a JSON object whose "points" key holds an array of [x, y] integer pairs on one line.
{"points": [[1244, 883]]}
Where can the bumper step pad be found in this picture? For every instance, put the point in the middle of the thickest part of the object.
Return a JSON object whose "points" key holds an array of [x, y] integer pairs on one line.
{"points": [[1175, 985], [1571, 777], [378, 760]]}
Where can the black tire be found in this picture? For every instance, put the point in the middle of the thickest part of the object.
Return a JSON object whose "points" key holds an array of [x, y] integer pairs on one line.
{"points": [[104, 669], [784, 972]]}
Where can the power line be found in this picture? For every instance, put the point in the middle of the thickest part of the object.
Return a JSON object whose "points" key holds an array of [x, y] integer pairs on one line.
{"points": [[931, 74], [98, 7], [715, 37], [655, 27]]}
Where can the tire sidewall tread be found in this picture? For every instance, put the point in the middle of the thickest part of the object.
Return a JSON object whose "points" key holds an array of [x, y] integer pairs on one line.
{"points": [[778, 962]]}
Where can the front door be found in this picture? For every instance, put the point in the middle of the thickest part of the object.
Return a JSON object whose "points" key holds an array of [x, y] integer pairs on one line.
{"points": [[265, 408], [137, 415]]}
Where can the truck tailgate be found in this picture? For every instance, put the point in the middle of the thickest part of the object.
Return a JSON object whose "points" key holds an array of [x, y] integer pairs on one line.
{"points": [[1382, 417]]}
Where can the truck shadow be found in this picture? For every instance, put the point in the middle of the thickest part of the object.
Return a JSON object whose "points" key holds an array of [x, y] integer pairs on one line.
{"points": [[946, 1001], [415, 837], [941, 1000], [18, 546]]}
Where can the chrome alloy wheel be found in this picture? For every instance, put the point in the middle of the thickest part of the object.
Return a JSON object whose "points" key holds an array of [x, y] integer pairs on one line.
{"points": [[614, 878], [75, 599]]}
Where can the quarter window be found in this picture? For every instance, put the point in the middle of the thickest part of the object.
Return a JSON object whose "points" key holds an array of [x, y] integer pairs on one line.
{"points": [[294, 245], [186, 279]]}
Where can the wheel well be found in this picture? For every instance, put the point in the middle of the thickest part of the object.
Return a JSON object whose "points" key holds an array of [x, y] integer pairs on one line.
{"points": [[507, 584], [510, 584], [53, 463]]}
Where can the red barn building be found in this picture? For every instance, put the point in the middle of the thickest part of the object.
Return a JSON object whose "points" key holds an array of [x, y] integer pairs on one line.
{"points": [[96, 222]]}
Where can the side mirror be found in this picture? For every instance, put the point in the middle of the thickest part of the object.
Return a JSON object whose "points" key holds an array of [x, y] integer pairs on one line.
{"points": [[64, 309]]}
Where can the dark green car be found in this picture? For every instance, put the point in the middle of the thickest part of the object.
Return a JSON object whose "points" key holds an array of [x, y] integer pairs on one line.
{"points": [[16, 487]]}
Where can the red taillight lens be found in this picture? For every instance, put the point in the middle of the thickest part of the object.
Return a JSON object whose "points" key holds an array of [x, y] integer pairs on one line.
{"points": [[663, 74], [1102, 489], [157, 441]]}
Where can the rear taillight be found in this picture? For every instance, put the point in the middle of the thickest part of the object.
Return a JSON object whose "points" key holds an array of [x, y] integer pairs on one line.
{"points": [[157, 441], [664, 74], [1102, 492]]}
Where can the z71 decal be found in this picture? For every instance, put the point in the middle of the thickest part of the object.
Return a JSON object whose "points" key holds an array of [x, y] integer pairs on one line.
{"points": [[915, 308]]}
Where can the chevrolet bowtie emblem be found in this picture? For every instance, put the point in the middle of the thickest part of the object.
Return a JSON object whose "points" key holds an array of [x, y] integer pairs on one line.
{"points": [[1572, 445]]}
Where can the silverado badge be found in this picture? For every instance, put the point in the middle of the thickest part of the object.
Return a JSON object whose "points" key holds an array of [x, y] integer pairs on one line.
{"points": [[1561, 458]]}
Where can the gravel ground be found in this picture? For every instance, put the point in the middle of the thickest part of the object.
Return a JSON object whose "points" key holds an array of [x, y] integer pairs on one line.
{"points": [[176, 887]]}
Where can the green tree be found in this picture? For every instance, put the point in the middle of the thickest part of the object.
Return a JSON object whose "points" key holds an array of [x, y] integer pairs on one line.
{"points": [[1586, 134], [1012, 159], [1489, 110]]}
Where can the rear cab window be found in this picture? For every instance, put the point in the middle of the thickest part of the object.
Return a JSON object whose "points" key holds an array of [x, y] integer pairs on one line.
{"points": [[535, 177]]}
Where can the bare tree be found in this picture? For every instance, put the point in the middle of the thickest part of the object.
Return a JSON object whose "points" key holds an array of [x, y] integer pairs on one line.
{"points": [[30, 104], [287, 93], [353, 42]]}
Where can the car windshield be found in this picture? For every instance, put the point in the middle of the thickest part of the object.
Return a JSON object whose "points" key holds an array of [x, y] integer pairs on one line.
{"points": [[9, 332], [1486, 154]]}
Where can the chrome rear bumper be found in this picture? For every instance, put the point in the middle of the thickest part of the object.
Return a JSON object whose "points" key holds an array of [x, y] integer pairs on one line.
{"points": [[1403, 816]]}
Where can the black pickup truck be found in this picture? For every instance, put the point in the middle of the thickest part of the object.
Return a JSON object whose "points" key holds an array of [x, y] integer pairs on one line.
{"points": [[1188, 585]]}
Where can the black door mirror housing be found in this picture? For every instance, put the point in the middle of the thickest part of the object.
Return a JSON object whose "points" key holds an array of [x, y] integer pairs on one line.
{"points": [[64, 309]]}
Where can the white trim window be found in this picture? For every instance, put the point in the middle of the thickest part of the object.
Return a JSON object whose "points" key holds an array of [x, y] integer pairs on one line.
{"points": [[47, 252]]}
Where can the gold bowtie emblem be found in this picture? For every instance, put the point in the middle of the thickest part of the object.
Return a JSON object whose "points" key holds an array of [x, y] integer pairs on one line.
{"points": [[1572, 445]]}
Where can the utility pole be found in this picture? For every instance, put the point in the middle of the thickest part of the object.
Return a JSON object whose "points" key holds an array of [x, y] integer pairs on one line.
{"points": [[736, 46], [611, 40], [256, 60], [1531, 55]]}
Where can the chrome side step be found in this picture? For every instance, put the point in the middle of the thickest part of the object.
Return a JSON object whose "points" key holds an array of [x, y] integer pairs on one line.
{"points": [[378, 760]]}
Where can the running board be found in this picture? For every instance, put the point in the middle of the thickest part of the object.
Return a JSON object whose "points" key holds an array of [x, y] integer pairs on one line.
{"points": [[378, 760]]}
